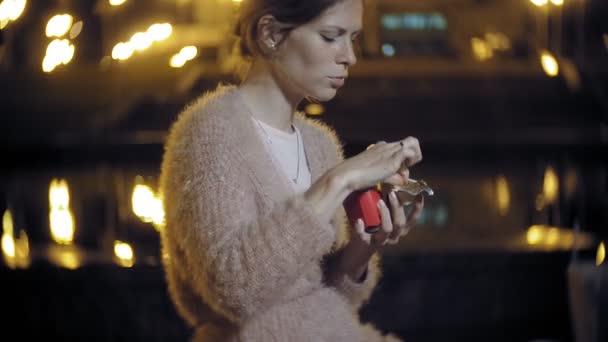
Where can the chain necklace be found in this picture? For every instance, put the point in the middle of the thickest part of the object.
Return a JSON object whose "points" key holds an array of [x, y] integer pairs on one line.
{"points": [[295, 180]]}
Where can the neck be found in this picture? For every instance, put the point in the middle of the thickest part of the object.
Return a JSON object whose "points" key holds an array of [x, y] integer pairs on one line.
{"points": [[268, 99]]}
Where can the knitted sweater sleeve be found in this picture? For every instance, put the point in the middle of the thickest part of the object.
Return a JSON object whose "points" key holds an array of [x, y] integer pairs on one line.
{"points": [[238, 261], [357, 292]]}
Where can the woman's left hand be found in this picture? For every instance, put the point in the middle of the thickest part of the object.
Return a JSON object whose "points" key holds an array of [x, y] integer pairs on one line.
{"points": [[395, 223]]}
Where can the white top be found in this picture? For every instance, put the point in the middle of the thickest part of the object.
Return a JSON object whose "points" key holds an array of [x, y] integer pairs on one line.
{"points": [[283, 147]]}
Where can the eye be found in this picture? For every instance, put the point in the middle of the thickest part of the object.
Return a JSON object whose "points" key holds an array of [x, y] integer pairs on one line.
{"points": [[328, 39]]}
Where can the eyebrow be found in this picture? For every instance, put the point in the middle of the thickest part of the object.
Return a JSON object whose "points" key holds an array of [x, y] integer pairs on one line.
{"points": [[342, 30]]}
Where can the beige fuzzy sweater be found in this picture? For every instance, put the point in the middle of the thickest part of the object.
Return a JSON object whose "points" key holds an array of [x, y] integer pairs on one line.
{"points": [[245, 257]]}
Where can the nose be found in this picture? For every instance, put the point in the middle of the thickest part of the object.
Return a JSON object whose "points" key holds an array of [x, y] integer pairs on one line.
{"points": [[347, 55]]}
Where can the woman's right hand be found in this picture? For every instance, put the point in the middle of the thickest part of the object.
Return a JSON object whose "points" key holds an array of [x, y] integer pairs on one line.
{"points": [[380, 163]]}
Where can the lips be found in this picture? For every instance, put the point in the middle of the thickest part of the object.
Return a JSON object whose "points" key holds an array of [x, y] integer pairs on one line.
{"points": [[337, 81]]}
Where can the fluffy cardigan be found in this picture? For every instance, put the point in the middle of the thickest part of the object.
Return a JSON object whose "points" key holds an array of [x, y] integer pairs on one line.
{"points": [[245, 257]]}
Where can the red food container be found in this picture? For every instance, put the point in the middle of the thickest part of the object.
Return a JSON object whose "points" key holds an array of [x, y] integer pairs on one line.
{"points": [[364, 205]]}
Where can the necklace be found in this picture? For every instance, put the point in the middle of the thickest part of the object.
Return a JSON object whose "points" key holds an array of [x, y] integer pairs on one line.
{"points": [[295, 180]]}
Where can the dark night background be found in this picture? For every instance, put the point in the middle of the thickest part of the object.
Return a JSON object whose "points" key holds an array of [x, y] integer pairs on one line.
{"points": [[508, 249]]}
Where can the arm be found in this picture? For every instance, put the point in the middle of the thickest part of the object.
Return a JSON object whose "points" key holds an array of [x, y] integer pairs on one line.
{"points": [[238, 261]]}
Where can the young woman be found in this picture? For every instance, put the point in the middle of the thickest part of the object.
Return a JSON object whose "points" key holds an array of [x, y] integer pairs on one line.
{"points": [[256, 246]]}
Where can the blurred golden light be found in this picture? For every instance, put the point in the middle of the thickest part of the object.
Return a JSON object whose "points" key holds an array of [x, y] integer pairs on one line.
{"points": [[59, 25], [60, 216], [8, 242], [557, 2], [76, 29], [65, 256], [605, 36], [124, 253], [601, 254], [481, 49], [552, 236], [237, 1], [59, 51], [146, 205], [186, 54], [314, 109], [549, 64], [539, 2], [122, 51], [11, 10], [159, 32], [534, 234], [550, 186], [117, 2], [498, 41], [16, 251], [503, 195], [140, 41]]}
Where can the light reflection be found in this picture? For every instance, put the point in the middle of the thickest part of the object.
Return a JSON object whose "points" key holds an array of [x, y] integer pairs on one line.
{"points": [[539, 2], [601, 254], [65, 256], [549, 64], [481, 49], [117, 2], [187, 53], [503, 195], [76, 29], [124, 253], [142, 40], [59, 51], [60, 216], [58, 25], [147, 205], [550, 186], [11, 10], [550, 237]]}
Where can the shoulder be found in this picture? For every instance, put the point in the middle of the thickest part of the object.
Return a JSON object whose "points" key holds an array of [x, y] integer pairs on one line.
{"points": [[321, 135], [209, 112]]}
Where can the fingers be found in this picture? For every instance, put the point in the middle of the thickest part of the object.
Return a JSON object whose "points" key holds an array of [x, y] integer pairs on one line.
{"points": [[414, 214], [360, 229], [399, 219]]}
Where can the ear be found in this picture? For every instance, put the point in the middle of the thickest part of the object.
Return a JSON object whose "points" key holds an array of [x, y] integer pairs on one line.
{"points": [[269, 33]]}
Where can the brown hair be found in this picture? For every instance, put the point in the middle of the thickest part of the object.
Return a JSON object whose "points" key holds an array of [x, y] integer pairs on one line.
{"points": [[289, 13]]}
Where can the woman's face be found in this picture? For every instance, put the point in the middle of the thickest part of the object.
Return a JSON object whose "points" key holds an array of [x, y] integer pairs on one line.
{"points": [[314, 58]]}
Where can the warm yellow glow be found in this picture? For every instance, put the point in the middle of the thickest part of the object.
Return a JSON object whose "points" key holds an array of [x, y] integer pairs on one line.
{"points": [[539, 2], [147, 205], [186, 54], [549, 64], [67, 258], [59, 51], [7, 223], [601, 254], [123, 253], [117, 2], [159, 32], [557, 2], [498, 41], [76, 29], [59, 25], [552, 236], [22, 249], [60, 216], [122, 51], [481, 49], [237, 1], [16, 251], [550, 186], [314, 109], [503, 195], [140, 41], [11, 10], [8, 246], [534, 235]]}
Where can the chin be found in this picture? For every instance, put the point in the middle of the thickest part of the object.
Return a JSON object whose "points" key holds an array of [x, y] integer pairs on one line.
{"points": [[324, 95]]}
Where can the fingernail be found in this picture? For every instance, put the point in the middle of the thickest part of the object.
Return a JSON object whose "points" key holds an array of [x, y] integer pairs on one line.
{"points": [[393, 195]]}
